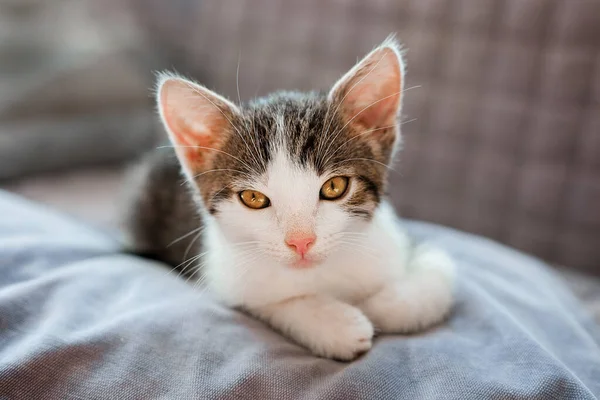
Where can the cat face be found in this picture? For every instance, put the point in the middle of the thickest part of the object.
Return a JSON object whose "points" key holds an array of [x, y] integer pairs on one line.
{"points": [[297, 176]]}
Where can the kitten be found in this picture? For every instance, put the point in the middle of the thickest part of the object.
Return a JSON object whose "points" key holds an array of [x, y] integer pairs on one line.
{"points": [[287, 195]]}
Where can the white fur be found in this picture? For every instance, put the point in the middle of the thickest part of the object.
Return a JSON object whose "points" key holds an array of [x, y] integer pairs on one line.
{"points": [[376, 277], [365, 275]]}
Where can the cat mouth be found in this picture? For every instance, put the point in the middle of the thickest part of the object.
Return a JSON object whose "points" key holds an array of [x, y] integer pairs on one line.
{"points": [[303, 263]]}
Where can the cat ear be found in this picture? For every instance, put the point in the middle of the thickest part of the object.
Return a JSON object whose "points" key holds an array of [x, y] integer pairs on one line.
{"points": [[369, 95], [196, 119]]}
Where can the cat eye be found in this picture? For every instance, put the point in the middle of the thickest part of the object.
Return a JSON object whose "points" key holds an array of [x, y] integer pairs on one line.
{"points": [[255, 200], [334, 188]]}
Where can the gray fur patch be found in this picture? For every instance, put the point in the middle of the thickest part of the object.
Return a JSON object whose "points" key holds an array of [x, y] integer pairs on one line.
{"points": [[314, 132]]}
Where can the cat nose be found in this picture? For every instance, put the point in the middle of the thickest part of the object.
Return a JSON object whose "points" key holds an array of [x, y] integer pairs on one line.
{"points": [[300, 244]]}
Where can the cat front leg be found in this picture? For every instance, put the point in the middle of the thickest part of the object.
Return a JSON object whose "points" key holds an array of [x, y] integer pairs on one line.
{"points": [[327, 327], [422, 298]]}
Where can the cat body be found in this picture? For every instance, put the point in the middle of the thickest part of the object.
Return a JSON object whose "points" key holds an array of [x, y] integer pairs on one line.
{"points": [[280, 206]]}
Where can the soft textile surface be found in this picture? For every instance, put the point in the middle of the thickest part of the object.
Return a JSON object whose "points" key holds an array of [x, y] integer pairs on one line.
{"points": [[78, 320], [586, 288]]}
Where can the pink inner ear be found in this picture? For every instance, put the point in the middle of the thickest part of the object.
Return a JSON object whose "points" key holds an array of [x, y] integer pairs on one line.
{"points": [[370, 92], [192, 131], [187, 139], [378, 113]]}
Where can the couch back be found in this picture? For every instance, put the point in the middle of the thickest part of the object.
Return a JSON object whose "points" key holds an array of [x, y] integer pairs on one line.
{"points": [[502, 128], [502, 124], [73, 91]]}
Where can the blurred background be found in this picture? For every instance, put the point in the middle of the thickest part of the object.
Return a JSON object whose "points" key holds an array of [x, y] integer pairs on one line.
{"points": [[502, 132]]}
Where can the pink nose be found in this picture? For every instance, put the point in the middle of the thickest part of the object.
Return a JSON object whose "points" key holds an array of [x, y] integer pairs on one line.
{"points": [[300, 244]]}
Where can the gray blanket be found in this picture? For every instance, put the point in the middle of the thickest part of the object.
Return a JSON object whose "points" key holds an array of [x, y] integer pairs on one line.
{"points": [[78, 320]]}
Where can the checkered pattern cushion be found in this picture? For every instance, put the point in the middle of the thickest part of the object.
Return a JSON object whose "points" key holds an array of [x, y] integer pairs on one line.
{"points": [[504, 131], [71, 93]]}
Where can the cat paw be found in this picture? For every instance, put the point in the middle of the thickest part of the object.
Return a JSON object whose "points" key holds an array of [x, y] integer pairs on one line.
{"points": [[431, 260], [422, 299], [344, 336], [327, 327]]}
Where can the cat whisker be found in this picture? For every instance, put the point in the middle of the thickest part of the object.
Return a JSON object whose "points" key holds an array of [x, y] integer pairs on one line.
{"points": [[411, 88], [357, 241], [232, 246], [203, 254], [219, 192], [367, 132], [241, 268], [198, 267], [191, 259], [377, 129], [408, 121], [185, 263], [190, 263], [362, 251], [365, 159], [189, 246], [221, 170], [245, 268], [237, 77], [344, 234], [180, 238]]}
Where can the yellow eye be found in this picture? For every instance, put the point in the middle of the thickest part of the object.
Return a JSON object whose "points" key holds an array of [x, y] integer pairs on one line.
{"points": [[334, 188], [254, 199]]}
